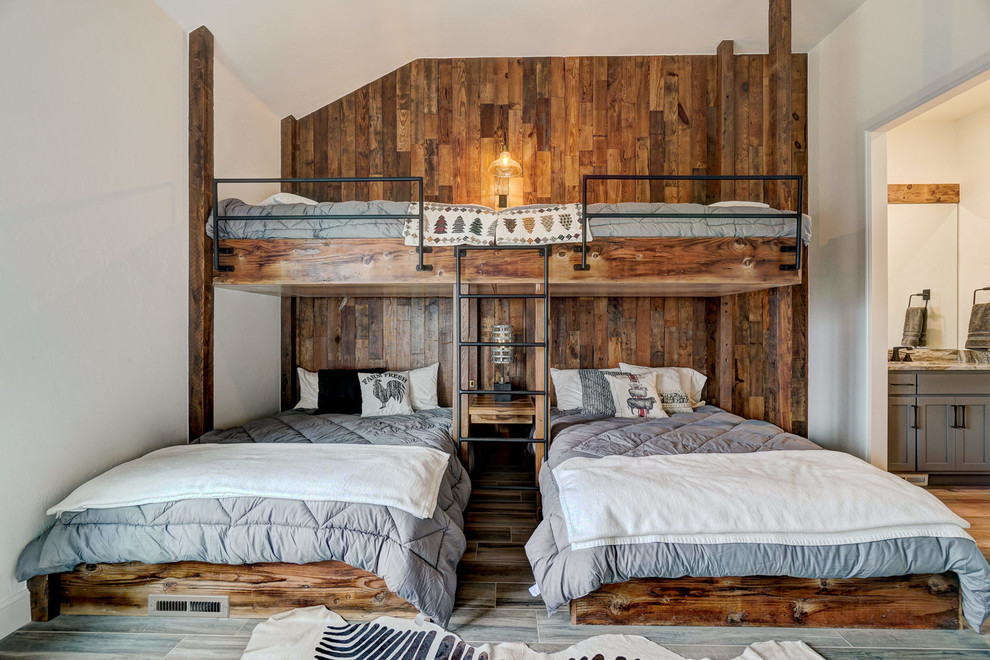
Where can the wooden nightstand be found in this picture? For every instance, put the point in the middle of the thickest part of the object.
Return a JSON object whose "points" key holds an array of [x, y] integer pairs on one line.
{"points": [[484, 409]]}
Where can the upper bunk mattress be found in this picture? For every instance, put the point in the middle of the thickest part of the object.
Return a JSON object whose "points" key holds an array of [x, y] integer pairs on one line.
{"points": [[698, 221], [417, 557]]}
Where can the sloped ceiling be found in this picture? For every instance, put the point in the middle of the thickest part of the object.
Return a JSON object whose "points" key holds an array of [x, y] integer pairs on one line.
{"points": [[298, 55]]}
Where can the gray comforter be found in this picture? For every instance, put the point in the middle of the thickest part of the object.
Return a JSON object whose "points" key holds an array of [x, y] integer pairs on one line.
{"points": [[564, 574], [698, 221], [416, 558]]}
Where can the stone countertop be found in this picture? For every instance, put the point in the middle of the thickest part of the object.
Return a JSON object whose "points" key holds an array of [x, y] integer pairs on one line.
{"points": [[923, 359], [937, 366]]}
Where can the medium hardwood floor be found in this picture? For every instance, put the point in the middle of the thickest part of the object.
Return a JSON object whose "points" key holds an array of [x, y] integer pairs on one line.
{"points": [[493, 604]]}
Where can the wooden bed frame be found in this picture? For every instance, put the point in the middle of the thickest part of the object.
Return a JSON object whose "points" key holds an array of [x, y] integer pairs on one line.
{"points": [[910, 601], [619, 267], [255, 590]]}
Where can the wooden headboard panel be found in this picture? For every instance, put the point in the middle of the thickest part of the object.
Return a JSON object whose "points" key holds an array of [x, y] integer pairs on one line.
{"points": [[405, 333], [564, 117]]}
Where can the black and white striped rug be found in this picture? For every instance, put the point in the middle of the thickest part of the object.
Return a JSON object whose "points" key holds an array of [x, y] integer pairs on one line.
{"points": [[316, 632]]}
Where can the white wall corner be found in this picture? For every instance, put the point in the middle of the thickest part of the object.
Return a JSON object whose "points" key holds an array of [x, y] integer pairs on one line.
{"points": [[15, 611]]}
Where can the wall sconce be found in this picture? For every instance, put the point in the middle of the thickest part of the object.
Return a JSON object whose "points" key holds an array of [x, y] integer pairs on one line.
{"points": [[501, 356], [504, 168]]}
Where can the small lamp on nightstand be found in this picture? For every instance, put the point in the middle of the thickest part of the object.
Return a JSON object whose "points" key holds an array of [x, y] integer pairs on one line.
{"points": [[501, 356], [504, 168]]}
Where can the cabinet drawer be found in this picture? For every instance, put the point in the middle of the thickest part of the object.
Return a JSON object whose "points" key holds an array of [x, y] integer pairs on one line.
{"points": [[902, 384], [954, 383]]}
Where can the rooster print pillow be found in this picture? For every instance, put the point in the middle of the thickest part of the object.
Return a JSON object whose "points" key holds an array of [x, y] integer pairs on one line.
{"points": [[385, 394]]}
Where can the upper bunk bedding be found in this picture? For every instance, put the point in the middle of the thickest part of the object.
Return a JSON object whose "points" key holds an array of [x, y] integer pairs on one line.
{"points": [[934, 541], [691, 221], [417, 557]]}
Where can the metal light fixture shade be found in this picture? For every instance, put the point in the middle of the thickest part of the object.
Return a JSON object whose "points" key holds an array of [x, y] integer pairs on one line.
{"points": [[502, 334]]}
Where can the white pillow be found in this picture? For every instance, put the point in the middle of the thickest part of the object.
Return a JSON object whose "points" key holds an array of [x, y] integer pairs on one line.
{"points": [[287, 198], [692, 382], [567, 386], [385, 394], [635, 395], [423, 387], [759, 205], [309, 389]]}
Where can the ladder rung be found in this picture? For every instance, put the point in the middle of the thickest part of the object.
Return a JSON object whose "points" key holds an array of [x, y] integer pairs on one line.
{"points": [[511, 392], [505, 487], [500, 439], [532, 344], [500, 295]]}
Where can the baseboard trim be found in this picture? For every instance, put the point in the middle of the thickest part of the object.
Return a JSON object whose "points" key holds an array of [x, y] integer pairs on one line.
{"points": [[15, 611]]}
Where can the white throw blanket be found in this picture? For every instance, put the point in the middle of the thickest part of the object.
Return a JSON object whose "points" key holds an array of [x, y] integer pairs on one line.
{"points": [[407, 478], [787, 497]]}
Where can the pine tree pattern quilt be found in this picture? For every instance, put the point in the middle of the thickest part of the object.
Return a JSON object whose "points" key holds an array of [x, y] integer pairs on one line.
{"points": [[473, 224]]}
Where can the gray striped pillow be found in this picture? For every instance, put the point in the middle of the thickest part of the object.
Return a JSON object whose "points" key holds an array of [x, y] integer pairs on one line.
{"points": [[596, 392]]}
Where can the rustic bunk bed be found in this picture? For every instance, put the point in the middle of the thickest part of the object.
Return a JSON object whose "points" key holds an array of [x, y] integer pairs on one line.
{"points": [[737, 251], [733, 306]]}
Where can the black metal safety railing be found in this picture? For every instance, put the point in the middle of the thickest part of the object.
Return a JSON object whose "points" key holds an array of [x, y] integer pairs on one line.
{"points": [[217, 218], [798, 215]]}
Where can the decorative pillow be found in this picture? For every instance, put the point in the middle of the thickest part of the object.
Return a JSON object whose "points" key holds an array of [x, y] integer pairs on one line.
{"points": [[385, 394], [596, 392], [287, 198], [540, 223], [634, 396], [759, 205], [672, 395], [423, 387], [453, 224], [692, 382], [340, 391], [309, 389], [567, 387]]}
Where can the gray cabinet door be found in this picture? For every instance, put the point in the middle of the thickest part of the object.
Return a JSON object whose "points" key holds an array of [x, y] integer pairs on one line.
{"points": [[972, 439], [901, 436], [936, 437]]}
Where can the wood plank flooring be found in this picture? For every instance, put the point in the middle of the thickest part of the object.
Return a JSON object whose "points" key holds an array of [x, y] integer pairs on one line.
{"points": [[493, 605]]}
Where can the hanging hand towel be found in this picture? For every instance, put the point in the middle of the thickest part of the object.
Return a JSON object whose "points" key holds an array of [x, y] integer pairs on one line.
{"points": [[979, 327], [915, 325]]}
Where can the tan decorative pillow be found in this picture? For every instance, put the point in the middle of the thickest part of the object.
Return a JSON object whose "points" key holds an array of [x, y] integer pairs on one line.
{"points": [[673, 398], [634, 396]]}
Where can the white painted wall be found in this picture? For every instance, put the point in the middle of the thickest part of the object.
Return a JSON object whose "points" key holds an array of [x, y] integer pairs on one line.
{"points": [[247, 363], [886, 58], [923, 239], [974, 212], [94, 290], [93, 187]]}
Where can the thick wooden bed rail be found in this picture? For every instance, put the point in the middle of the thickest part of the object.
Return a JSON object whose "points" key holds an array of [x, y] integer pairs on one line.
{"points": [[255, 590], [909, 601]]}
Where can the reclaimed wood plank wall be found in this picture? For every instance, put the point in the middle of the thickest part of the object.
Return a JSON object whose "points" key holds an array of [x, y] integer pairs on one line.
{"points": [[445, 120]]}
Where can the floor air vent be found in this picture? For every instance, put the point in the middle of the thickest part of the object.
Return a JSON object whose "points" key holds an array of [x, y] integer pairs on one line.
{"points": [[209, 606], [916, 479]]}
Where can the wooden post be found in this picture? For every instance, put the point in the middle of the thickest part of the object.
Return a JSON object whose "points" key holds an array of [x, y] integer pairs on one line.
{"points": [[44, 597], [726, 116], [289, 151], [200, 247], [780, 161], [781, 128]]}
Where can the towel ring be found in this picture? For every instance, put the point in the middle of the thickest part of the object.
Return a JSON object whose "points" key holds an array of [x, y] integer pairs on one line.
{"points": [[926, 295], [986, 288]]}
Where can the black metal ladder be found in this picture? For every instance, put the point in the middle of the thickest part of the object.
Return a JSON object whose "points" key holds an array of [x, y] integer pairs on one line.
{"points": [[464, 395]]}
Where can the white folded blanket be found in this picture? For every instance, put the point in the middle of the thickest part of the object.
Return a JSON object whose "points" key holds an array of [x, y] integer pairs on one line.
{"points": [[787, 497], [407, 478]]}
